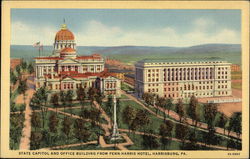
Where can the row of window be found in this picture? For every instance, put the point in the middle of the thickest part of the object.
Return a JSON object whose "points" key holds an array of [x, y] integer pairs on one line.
{"points": [[153, 70], [153, 75], [153, 85], [153, 90], [110, 85], [153, 80]]}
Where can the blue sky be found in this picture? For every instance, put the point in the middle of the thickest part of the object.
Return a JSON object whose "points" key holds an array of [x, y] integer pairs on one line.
{"points": [[115, 27]]}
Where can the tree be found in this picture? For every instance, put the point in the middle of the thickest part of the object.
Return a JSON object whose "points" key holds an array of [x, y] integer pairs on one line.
{"points": [[80, 92], [148, 98], [222, 121], [109, 105], [165, 131], [179, 109], [53, 123], [192, 141], [92, 94], [181, 132], [23, 64], [128, 115], [210, 112], [80, 130], [69, 99], [141, 120], [99, 97], [210, 137], [22, 88], [235, 123], [36, 138], [36, 120], [63, 99], [30, 68], [169, 104], [13, 78], [85, 114], [161, 102], [39, 101], [191, 111], [149, 141], [13, 106], [55, 101], [66, 126], [18, 70]]}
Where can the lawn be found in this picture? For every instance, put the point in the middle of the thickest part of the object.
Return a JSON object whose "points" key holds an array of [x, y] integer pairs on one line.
{"points": [[126, 87]]}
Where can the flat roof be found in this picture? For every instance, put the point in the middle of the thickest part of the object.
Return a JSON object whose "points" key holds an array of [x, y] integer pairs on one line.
{"points": [[181, 60]]}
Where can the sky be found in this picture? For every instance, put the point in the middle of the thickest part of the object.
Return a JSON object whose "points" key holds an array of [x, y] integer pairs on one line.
{"points": [[118, 27]]}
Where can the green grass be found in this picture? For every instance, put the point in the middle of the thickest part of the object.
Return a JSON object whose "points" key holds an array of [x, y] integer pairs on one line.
{"points": [[126, 87], [51, 105], [124, 96]]}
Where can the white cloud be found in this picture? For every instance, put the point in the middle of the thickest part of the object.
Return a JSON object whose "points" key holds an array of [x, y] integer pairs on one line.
{"points": [[27, 35], [96, 33]]}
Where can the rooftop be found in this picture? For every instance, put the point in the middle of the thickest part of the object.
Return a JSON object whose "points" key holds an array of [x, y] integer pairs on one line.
{"points": [[183, 60]]}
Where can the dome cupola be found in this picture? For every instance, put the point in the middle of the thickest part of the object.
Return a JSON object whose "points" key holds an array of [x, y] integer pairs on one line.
{"points": [[64, 34], [64, 39]]}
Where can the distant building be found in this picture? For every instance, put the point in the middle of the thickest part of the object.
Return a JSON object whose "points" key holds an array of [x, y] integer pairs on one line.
{"points": [[15, 62], [130, 79], [235, 68], [120, 74], [182, 79], [64, 70]]}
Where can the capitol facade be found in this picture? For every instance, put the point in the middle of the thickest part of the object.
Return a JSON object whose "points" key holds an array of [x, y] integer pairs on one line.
{"points": [[65, 70]]}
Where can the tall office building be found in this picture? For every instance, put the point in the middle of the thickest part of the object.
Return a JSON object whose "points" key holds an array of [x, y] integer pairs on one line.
{"points": [[183, 78]]}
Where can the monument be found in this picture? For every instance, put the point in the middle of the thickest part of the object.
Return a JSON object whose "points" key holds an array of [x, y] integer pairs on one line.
{"points": [[115, 134]]}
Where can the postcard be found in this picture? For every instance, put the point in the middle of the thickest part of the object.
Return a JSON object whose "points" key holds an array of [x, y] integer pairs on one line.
{"points": [[125, 79]]}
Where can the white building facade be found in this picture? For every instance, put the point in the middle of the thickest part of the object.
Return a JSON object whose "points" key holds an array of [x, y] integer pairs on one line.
{"points": [[183, 79], [64, 70]]}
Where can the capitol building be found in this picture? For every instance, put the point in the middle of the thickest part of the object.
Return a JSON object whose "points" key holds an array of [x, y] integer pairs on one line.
{"points": [[65, 70]]}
